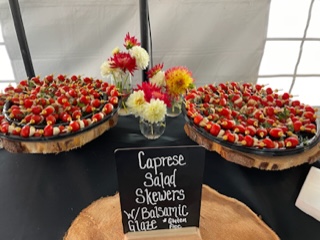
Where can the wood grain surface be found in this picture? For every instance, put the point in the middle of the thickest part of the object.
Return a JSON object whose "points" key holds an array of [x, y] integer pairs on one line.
{"points": [[221, 217], [60, 144]]}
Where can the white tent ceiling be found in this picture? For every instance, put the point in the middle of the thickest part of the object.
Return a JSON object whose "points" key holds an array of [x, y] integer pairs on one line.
{"points": [[218, 40]]}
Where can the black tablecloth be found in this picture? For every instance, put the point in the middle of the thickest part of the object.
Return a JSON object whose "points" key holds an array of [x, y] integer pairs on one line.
{"points": [[42, 194]]}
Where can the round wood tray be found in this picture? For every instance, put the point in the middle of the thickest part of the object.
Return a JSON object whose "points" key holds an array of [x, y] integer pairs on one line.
{"points": [[58, 144], [260, 161], [221, 217]]}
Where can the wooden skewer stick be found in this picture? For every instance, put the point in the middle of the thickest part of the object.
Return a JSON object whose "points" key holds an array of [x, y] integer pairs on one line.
{"points": [[278, 90]]}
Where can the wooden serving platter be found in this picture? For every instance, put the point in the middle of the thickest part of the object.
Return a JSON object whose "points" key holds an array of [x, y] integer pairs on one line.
{"points": [[221, 217], [59, 144], [264, 162]]}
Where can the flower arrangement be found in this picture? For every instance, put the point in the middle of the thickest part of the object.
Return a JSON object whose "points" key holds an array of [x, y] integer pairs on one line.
{"points": [[151, 101], [148, 102], [120, 62], [121, 66], [177, 80], [174, 82]]}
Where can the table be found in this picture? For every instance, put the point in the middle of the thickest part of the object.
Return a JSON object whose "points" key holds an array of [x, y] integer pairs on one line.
{"points": [[42, 194]]}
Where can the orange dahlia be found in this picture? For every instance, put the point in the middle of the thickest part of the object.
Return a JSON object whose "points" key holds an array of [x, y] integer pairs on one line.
{"points": [[178, 80]]}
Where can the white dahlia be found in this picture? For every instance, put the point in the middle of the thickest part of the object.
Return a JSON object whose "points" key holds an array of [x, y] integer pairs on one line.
{"points": [[105, 69], [154, 111], [158, 79], [141, 56], [136, 102]]}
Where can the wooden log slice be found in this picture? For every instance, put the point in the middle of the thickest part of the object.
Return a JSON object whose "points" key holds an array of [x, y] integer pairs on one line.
{"points": [[221, 217], [253, 160], [61, 144]]}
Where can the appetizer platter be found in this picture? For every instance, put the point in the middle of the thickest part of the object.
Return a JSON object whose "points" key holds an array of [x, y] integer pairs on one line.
{"points": [[252, 125], [56, 114]]}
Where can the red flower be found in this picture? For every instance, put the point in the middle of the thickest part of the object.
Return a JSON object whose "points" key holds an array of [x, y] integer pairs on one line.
{"points": [[148, 89], [151, 91], [153, 71], [123, 61], [130, 42], [162, 96]]}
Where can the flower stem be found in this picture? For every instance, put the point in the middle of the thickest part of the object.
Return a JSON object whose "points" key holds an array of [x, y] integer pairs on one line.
{"points": [[125, 82], [152, 131]]}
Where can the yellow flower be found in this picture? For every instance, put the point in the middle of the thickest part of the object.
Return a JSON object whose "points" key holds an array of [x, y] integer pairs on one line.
{"points": [[141, 56], [136, 102], [178, 80], [115, 50], [154, 111]]}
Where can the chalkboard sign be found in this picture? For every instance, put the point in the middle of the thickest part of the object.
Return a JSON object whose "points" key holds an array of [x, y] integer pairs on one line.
{"points": [[160, 188]]}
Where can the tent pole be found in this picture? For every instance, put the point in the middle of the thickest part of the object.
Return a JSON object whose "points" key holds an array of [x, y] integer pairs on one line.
{"points": [[144, 30], [18, 24]]}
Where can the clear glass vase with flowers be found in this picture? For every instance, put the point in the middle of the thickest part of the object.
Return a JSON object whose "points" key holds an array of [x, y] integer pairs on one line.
{"points": [[150, 104], [174, 82], [121, 65]]}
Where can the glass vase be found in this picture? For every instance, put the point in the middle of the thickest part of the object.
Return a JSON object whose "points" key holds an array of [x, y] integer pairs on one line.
{"points": [[176, 104], [152, 130], [123, 82]]}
